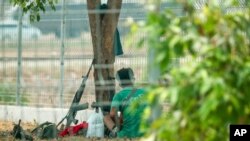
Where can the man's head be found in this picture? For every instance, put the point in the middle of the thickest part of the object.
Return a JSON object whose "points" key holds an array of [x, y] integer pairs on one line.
{"points": [[125, 76]]}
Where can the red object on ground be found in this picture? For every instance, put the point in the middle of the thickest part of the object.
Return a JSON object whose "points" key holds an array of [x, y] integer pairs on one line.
{"points": [[73, 130]]}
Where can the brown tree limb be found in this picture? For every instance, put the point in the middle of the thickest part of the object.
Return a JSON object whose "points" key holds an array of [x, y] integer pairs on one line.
{"points": [[102, 32]]}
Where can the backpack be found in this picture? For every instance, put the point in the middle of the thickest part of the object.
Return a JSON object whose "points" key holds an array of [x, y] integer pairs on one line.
{"points": [[19, 133], [46, 130]]}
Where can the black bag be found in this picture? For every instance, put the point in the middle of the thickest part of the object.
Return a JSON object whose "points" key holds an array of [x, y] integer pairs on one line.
{"points": [[46, 130], [19, 133]]}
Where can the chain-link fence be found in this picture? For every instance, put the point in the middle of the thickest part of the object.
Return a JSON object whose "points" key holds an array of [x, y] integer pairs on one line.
{"points": [[41, 65], [32, 72]]}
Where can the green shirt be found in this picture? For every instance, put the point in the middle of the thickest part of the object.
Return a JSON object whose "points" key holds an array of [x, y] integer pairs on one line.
{"points": [[131, 118]]}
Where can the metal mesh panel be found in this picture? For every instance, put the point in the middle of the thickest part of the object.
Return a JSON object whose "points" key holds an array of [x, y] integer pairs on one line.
{"points": [[41, 53], [39, 83], [41, 65]]}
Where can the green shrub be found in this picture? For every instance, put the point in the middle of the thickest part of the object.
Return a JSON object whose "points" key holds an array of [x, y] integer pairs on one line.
{"points": [[210, 90]]}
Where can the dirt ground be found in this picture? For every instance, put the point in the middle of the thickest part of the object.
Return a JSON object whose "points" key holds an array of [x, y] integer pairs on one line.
{"points": [[7, 126]]}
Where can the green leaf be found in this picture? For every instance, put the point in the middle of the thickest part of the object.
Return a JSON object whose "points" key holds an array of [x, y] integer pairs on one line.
{"points": [[38, 17], [41, 6]]}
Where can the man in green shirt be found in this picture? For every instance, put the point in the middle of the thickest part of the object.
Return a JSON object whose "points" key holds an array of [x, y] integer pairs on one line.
{"points": [[120, 103]]}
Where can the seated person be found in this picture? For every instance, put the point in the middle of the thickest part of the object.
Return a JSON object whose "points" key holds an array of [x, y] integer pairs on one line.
{"points": [[121, 101]]}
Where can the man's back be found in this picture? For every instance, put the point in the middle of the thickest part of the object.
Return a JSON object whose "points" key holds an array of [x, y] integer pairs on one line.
{"points": [[131, 118]]}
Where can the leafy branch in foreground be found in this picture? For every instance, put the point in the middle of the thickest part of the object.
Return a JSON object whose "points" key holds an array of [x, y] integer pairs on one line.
{"points": [[34, 7], [206, 53]]}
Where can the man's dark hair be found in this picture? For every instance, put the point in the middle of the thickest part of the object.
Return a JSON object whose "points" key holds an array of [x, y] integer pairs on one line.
{"points": [[125, 76]]}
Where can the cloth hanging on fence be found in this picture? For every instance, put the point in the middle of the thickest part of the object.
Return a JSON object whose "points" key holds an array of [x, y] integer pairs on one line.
{"points": [[117, 46]]}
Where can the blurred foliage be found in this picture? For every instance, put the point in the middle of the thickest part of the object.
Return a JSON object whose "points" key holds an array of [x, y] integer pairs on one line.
{"points": [[206, 54], [8, 94], [34, 7]]}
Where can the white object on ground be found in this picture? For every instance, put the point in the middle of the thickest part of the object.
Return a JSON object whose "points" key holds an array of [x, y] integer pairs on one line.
{"points": [[96, 124]]}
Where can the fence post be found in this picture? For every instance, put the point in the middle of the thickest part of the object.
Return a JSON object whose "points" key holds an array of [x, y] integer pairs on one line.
{"points": [[62, 53], [2, 17], [19, 59], [153, 68]]}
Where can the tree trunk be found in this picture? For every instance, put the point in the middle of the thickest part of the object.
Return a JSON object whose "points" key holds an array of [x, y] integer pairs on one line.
{"points": [[102, 32]]}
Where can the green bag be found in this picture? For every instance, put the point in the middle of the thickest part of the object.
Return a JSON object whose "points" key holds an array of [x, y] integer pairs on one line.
{"points": [[46, 130]]}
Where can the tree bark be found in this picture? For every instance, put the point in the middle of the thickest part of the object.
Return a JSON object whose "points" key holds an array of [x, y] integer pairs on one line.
{"points": [[102, 32]]}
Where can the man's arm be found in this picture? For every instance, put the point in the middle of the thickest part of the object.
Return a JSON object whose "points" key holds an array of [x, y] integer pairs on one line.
{"points": [[113, 112], [110, 120]]}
